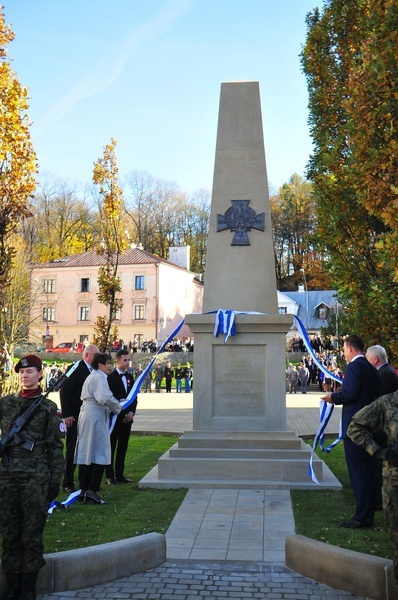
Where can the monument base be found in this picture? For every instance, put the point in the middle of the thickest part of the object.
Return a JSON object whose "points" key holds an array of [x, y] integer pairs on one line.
{"points": [[239, 459], [240, 385]]}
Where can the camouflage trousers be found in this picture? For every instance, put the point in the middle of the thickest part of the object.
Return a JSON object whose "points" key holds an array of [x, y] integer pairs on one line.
{"points": [[23, 515], [390, 508]]}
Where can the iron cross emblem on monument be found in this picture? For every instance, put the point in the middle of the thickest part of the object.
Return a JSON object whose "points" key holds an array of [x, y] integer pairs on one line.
{"points": [[240, 218]]}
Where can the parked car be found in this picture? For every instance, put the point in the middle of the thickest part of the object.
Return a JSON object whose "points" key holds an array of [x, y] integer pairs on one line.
{"points": [[65, 347], [28, 348]]}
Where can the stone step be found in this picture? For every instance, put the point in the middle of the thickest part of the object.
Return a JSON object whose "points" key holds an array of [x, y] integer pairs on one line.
{"points": [[224, 469], [241, 439], [230, 453], [154, 480]]}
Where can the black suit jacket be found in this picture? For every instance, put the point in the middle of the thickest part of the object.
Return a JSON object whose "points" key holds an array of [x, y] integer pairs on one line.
{"points": [[117, 388], [361, 385], [389, 379], [71, 390]]}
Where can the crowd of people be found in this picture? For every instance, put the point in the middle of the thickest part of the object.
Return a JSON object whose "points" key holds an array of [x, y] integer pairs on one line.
{"points": [[152, 346], [308, 373], [320, 345], [181, 375]]}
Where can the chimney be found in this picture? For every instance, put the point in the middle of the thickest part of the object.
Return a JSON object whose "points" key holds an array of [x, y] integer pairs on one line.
{"points": [[180, 256]]}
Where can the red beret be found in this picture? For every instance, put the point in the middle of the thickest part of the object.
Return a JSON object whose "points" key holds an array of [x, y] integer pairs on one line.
{"points": [[31, 360]]}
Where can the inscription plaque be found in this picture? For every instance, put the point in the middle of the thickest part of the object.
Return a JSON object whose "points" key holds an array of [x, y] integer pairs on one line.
{"points": [[239, 378]]}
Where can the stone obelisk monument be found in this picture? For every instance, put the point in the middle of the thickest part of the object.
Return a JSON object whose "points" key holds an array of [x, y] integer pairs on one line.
{"points": [[239, 436]]}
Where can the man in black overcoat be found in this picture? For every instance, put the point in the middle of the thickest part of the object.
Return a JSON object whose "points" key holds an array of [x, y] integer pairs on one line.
{"points": [[70, 405]]}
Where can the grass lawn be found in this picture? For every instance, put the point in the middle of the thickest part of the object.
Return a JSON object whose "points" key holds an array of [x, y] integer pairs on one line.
{"points": [[130, 511], [318, 513]]}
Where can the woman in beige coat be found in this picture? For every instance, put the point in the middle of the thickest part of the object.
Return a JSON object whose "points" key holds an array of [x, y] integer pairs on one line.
{"points": [[93, 447]]}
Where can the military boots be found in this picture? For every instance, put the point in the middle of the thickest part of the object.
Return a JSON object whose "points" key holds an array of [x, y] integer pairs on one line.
{"points": [[14, 581], [28, 588]]}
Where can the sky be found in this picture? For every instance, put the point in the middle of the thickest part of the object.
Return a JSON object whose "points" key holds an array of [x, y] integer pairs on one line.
{"points": [[148, 74]]}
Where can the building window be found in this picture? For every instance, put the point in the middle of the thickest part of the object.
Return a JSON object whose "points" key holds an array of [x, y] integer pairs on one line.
{"points": [[118, 314], [49, 286], [84, 313], [138, 339], [323, 312], [48, 313], [283, 310], [139, 282], [139, 312], [85, 284]]}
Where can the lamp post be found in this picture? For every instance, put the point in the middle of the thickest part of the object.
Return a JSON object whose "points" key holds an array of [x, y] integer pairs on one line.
{"points": [[306, 299]]}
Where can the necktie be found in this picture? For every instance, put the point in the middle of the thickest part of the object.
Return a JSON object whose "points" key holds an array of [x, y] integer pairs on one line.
{"points": [[124, 380]]}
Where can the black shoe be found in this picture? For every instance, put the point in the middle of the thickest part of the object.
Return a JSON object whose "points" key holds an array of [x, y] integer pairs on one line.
{"points": [[69, 488], [353, 524], [91, 496], [123, 480], [112, 481]]}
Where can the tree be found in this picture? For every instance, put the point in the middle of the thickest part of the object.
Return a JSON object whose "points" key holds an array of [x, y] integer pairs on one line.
{"points": [[62, 223], [294, 226], [19, 299], [18, 165], [153, 206], [194, 228], [162, 216], [113, 242], [350, 60]]}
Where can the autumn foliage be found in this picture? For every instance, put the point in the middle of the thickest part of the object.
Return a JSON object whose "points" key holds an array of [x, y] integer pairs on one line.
{"points": [[350, 60], [113, 242], [17, 160]]}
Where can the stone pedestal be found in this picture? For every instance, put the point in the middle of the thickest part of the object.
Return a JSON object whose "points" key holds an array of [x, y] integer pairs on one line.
{"points": [[238, 386], [239, 436]]}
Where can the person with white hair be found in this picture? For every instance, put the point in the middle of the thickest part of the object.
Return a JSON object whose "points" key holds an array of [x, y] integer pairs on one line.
{"points": [[377, 356]]}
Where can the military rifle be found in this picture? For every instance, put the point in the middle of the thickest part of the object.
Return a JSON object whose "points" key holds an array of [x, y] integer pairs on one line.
{"points": [[13, 438]]}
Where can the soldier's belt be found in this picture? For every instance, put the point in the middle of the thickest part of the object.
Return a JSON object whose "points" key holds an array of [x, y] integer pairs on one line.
{"points": [[20, 452]]}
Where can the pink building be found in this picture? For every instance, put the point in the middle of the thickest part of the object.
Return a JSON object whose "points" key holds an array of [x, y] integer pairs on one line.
{"points": [[156, 293]]}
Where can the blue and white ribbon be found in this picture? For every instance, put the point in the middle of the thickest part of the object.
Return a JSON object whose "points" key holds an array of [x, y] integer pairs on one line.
{"points": [[326, 410], [132, 395], [304, 336], [225, 321], [71, 499]]}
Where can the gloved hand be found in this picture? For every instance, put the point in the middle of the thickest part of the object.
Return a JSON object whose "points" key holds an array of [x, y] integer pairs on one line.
{"points": [[388, 454], [53, 490]]}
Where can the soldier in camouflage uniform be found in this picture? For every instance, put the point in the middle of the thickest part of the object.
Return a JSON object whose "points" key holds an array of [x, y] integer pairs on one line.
{"points": [[382, 414], [29, 481]]}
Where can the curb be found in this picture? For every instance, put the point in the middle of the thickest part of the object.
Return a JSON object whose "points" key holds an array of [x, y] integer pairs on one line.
{"points": [[347, 570], [86, 567]]}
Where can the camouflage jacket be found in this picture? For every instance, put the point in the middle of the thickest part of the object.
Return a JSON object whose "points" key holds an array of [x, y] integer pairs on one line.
{"points": [[43, 429], [380, 415]]}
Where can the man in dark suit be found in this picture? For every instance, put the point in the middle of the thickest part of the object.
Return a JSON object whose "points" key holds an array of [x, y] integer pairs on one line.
{"points": [[377, 356], [361, 386], [70, 405], [120, 382]]}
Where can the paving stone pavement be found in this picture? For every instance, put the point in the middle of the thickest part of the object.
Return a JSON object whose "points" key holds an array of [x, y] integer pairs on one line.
{"points": [[189, 580], [233, 552]]}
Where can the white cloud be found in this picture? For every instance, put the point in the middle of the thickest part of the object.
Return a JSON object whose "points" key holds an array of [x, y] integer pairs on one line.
{"points": [[109, 71]]}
